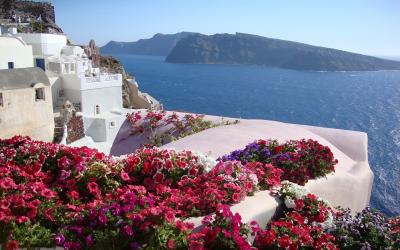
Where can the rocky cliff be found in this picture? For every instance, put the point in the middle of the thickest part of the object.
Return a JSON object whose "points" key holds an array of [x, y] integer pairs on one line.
{"points": [[29, 12], [112, 65]]}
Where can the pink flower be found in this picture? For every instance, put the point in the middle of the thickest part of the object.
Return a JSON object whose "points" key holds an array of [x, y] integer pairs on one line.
{"points": [[7, 183], [127, 230], [48, 194], [22, 219], [125, 176], [229, 168], [93, 188], [169, 217], [236, 197], [73, 195], [171, 244]]}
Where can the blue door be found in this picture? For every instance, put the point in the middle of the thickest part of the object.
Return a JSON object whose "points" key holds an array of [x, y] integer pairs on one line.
{"points": [[40, 63], [10, 65]]}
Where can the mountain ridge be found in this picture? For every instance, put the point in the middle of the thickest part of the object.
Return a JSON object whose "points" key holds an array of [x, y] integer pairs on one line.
{"points": [[158, 45], [249, 49]]}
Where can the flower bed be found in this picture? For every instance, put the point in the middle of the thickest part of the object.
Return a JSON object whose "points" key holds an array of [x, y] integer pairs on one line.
{"points": [[162, 128], [299, 160], [77, 198]]}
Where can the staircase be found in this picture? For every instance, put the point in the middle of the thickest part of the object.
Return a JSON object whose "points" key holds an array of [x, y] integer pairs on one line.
{"points": [[58, 127]]}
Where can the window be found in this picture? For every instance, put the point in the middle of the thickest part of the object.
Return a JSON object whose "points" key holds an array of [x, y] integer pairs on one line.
{"points": [[97, 110], [39, 94], [1, 100], [10, 65], [112, 124]]}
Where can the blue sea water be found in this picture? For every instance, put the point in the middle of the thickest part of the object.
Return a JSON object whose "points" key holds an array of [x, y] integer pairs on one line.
{"points": [[363, 101]]}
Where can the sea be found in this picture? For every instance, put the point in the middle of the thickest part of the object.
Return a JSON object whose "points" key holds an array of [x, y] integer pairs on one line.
{"points": [[363, 101]]}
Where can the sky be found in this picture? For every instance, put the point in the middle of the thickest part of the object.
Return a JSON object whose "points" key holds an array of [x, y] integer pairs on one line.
{"points": [[363, 26]]}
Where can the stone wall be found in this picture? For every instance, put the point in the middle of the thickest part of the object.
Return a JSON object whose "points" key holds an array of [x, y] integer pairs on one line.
{"points": [[75, 129]]}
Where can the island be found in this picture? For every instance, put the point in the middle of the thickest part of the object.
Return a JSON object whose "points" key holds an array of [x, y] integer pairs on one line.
{"points": [[250, 49]]}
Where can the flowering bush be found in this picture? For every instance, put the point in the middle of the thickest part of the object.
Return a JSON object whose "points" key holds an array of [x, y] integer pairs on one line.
{"points": [[78, 198], [225, 230], [132, 223], [369, 229], [294, 232], [199, 194], [395, 231], [299, 160], [303, 226], [163, 129], [268, 176], [153, 166]]}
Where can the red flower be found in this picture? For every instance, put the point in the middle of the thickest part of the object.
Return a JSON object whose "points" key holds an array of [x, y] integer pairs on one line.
{"points": [[284, 241], [278, 149], [299, 204], [12, 245], [158, 177]]}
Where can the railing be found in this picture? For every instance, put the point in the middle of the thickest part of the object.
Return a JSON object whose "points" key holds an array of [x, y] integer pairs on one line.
{"points": [[102, 78]]}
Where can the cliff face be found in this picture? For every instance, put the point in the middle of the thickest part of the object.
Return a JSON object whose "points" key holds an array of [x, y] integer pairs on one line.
{"points": [[158, 45], [28, 12], [257, 50]]}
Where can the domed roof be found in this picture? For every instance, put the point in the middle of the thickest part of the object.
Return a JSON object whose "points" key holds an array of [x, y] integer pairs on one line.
{"points": [[11, 41]]}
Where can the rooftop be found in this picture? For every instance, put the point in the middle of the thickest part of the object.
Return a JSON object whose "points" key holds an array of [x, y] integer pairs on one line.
{"points": [[22, 78]]}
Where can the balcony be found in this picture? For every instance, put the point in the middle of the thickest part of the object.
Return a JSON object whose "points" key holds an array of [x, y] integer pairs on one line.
{"points": [[101, 81]]}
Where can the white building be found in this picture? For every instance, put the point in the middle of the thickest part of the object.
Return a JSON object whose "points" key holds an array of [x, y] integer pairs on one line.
{"points": [[26, 107], [15, 53], [44, 44], [72, 77]]}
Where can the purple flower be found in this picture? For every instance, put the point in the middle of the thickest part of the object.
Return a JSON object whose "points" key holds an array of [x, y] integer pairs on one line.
{"points": [[59, 239], [64, 175], [134, 246], [71, 245], [89, 240]]}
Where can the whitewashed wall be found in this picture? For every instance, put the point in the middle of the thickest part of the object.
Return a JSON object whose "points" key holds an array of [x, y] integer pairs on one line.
{"points": [[14, 50], [44, 44]]}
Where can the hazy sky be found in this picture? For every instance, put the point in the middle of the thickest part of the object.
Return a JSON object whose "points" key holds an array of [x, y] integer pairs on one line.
{"points": [[364, 26]]}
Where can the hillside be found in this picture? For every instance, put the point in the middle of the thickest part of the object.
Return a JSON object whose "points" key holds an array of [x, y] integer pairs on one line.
{"points": [[158, 45], [29, 12], [256, 50]]}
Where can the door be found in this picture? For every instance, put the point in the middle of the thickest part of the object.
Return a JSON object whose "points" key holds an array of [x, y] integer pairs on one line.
{"points": [[40, 63]]}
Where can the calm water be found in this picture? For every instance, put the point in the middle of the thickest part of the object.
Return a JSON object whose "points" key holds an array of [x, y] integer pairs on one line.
{"points": [[364, 101]]}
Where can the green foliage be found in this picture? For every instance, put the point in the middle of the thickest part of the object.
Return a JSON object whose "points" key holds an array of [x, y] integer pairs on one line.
{"points": [[35, 235]]}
